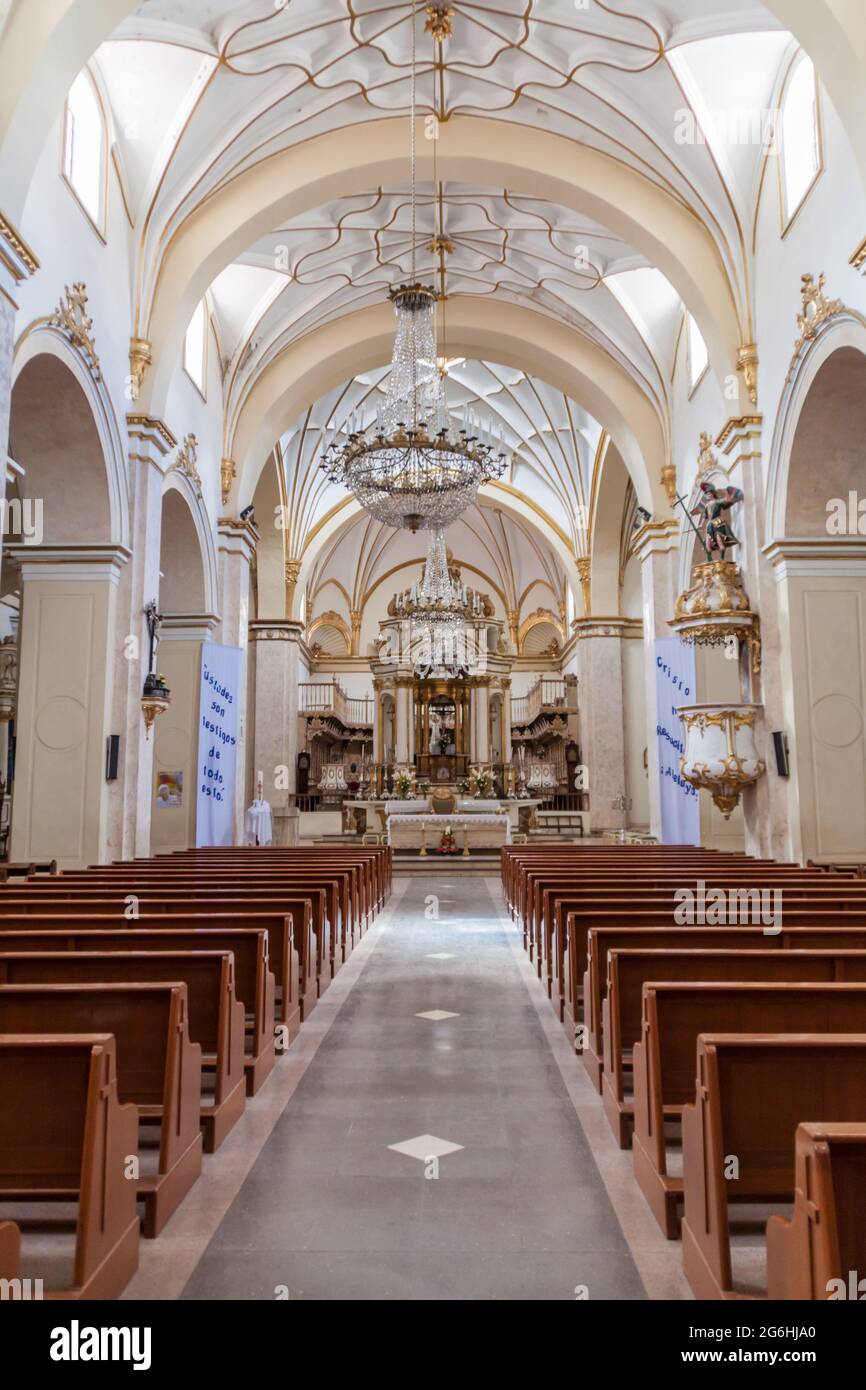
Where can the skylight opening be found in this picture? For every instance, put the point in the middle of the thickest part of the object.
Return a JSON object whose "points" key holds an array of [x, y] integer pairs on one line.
{"points": [[84, 147], [698, 355], [195, 347], [801, 140]]}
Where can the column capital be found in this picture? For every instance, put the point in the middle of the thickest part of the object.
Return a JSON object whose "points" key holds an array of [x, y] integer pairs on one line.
{"points": [[584, 628], [17, 261], [238, 537], [276, 630], [656, 538], [150, 439], [187, 627], [70, 562]]}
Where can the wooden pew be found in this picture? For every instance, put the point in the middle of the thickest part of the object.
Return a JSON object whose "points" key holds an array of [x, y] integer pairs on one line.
{"points": [[64, 1136], [603, 940], [293, 950], [753, 1091], [742, 891], [818, 1254], [10, 1250], [664, 1059], [802, 915], [216, 1017], [217, 883], [158, 1066], [629, 970], [254, 983]]}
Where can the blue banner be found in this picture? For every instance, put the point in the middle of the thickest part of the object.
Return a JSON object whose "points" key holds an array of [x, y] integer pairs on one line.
{"points": [[675, 686], [221, 670]]}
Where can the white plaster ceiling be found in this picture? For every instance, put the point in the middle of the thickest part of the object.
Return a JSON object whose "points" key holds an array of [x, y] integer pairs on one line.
{"points": [[226, 85]]}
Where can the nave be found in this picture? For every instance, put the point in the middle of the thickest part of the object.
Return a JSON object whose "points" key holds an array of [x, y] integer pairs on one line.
{"points": [[518, 1211]]}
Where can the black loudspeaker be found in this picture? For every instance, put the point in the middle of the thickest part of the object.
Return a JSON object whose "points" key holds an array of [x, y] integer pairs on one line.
{"points": [[112, 757], [303, 773], [780, 744]]}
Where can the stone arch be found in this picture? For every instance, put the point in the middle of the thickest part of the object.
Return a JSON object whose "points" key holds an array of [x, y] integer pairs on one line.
{"points": [[844, 331], [187, 555], [819, 454], [73, 399]]}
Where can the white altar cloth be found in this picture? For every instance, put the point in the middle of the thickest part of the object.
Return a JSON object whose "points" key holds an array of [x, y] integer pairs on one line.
{"points": [[412, 806], [477, 806], [258, 824], [439, 823]]}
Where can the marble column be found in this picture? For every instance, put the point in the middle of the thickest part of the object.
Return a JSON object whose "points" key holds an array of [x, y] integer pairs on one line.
{"points": [[482, 726], [403, 733], [130, 798], [67, 645], [276, 651], [237, 548], [506, 723], [602, 718], [657, 548]]}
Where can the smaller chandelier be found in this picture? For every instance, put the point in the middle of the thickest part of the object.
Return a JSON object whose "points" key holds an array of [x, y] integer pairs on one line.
{"points": [[440, 612], [411, 468]]}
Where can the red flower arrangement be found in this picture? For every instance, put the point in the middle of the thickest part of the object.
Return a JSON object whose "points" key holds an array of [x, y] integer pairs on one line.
{"points": [[447, 843]]}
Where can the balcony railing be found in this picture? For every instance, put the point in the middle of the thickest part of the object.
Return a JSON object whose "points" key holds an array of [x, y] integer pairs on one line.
{"points": [[328, 697], [547, 694]]}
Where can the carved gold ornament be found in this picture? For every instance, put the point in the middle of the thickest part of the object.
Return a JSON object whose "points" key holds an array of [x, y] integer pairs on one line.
{"points": [[669, 482], [716, 609], [71, 318], [438, 23], [707, 460], [228, 473], [187, 462], [817, 309], [747, 364], [140, 358], [720, 754]]}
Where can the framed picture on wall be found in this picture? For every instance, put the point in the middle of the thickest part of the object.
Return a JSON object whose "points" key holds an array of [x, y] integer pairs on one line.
{"points": [[169, 790]]}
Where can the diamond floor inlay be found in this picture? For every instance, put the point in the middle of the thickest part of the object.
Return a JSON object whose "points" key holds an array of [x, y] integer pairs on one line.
{"points": [[436, 1015], [426, 1146]]}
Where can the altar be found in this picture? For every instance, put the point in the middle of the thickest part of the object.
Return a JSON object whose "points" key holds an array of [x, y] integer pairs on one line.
{"points": [[372, 815], [423, 831]]}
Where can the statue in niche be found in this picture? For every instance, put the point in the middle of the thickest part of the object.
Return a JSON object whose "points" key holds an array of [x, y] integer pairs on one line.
{"points": [[718, 536]]}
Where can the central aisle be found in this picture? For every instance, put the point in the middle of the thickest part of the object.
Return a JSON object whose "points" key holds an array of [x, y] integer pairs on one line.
{"points": [[332, 1210]]}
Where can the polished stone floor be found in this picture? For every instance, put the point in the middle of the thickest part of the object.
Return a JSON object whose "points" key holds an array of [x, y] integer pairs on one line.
{"points": [[433, 1138]]}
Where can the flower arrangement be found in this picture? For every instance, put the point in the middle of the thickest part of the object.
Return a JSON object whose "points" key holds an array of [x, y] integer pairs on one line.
{"points": [[404, 784], [463, 786], [447, 843], [481, 783]]}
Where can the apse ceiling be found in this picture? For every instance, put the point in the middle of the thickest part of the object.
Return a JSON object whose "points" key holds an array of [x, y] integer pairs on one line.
{"points": [[554, 449]]}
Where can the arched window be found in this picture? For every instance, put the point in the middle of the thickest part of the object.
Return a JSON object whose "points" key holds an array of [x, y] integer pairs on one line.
{"points": [[800, 137], [195, 347], [85, 148], [696, 352]]}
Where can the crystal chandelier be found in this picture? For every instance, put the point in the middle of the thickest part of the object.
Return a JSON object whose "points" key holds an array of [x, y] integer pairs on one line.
{"points": [[439, 600], [411, 468]]}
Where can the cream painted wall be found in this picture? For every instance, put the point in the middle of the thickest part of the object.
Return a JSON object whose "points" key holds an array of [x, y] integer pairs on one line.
{"points": [[825, 622], [176, 748], [63, 711]]}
